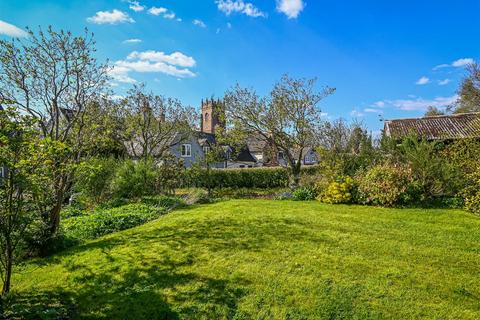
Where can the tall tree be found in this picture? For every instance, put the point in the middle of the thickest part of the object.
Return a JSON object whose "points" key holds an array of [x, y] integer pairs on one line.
{"points": [[53, 77], [344, 148], [154, 123], [26, 161], [288, 118], [469, 91]]}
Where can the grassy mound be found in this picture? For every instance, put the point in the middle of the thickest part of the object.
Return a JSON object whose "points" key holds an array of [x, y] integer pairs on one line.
{"points": [[259, 259]]}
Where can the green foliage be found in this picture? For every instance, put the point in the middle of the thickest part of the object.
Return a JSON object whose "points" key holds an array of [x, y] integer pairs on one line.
{"points": [[134, 179], [106, 221], [262, 178], [93, 178], [433, 174], [339, 191], [471, 193], [344, 149], [304, 194], [27, 163], [385, 185]]}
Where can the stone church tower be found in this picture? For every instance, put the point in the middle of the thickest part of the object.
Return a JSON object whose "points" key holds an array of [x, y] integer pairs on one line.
{"points": [[213, 114]]}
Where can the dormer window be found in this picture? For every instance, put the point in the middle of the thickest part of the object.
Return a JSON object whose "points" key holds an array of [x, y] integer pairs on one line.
{"points": [[206, 150], [186, 150]]}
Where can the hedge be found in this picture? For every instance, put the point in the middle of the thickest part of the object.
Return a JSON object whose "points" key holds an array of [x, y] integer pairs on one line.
{"points": [[263, 178]]}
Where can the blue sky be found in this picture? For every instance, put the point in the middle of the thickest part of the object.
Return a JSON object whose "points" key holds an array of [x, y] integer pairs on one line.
{"points": [[389, 58]]}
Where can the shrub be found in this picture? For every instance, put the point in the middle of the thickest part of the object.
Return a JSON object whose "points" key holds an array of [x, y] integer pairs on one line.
{"points": [[71, 211], [262, 178], [434, 176], [93, 178], [135, 179], [304, 194], [385, 185], [107, 221], [471, 194], [338, 191]]}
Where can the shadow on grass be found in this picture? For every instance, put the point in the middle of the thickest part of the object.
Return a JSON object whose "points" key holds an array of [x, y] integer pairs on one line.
{"points": [[150, 274], [136, 287]]}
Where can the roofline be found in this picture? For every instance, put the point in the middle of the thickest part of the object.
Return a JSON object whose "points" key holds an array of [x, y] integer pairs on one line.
{"points": [[439, 116]]}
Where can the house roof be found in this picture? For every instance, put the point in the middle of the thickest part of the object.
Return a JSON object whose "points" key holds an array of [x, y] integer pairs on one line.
{"points": [[245, 156], [305, 151], [256, 143], [446, 127]]}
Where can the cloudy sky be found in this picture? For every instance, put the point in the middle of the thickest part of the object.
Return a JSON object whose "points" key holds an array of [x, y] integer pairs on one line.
{"points": [[387, 59]]}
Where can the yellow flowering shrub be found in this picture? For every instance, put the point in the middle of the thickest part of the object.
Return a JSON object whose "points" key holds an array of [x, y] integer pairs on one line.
{"points": [[338, 191]]}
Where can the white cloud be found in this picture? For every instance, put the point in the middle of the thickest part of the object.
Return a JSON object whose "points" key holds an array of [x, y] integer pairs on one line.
{"points": [[199, 23], [441, 66], [145, 66], [229, 25], [420, 104], [422, 81], [170, 15], [444, 82], [291, 8], [167, 14], [455, 64], [372, 110], [110, 17], [462, 62], [379, 104], [120, 74], [136, 6], [157, 10], [132, 41], [176, 58], [176, 64], [239, 6], [11, 30]]}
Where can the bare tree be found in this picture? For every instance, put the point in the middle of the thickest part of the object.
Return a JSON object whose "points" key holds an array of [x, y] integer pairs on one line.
{"points": [[288, 118], [469, 91], [53, 77], [433, 111], [154, 123]]}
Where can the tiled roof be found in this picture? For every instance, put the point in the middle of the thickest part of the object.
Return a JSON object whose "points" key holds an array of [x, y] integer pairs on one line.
{"points": [[447, 127]]}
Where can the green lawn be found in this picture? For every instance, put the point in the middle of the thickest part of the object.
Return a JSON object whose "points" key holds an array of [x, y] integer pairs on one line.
{"points": [[260, 259]]}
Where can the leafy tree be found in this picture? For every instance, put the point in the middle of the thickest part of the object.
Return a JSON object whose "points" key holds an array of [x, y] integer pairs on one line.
{"points": [[153, 123], [53, 77], [345, 148], [288, 118], [26, 161]]}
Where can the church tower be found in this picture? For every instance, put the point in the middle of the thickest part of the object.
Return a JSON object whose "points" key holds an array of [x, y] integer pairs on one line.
{"points": [[213, 114]]}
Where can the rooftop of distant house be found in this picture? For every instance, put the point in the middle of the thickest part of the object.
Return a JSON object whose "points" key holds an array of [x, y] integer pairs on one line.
{"points": [[443, 127]]}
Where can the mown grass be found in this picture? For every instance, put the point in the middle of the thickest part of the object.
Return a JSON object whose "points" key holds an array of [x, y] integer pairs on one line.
{"points": [[260, 259]]}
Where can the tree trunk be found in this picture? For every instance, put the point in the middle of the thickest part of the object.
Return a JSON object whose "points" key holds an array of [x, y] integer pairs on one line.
{"points": [[295, 174], [8, 268], [55, 217]]}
